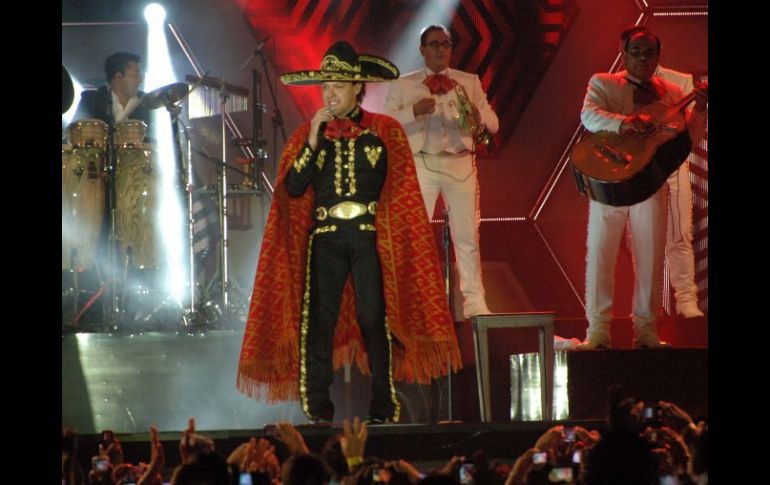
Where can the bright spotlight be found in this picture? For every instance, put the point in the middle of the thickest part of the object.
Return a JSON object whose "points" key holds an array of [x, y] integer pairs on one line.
{"points": [[154, 13]]}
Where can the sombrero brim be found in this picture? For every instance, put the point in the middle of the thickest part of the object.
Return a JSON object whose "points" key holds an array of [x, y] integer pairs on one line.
{"points": [[373, 69], [305, 78]]}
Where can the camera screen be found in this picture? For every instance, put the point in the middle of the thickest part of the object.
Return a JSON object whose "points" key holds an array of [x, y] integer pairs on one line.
{"points": [[649, 413], [103, 465], [245, 478], [569, 434], [561, 474], [376, 475], [577, 456], [669, 480], [465, 474], [540, 458]]}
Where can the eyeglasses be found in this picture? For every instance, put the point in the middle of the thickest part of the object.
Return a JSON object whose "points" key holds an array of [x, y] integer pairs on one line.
{"points": [[645, 53], [436, 44]]}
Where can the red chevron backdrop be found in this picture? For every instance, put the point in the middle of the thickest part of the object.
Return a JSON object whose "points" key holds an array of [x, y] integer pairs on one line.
{"points": [[509, 44], [533, 218]]}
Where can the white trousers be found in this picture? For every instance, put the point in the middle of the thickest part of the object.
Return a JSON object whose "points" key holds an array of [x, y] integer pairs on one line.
{"points": [[454, 177], [606, 226], [679, 253]]}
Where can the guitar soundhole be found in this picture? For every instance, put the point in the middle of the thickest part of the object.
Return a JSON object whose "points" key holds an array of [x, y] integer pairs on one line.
{"points": [[612, 155]]}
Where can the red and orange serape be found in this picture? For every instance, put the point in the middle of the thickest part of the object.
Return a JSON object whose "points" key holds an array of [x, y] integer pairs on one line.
{"points": [[416, 308]]}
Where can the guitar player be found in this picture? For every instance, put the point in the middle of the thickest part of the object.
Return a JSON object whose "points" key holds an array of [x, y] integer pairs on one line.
{"points": [[610, 101], [679, 253]]}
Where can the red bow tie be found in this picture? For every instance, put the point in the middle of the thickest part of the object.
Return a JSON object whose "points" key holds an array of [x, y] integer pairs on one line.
{"points": [[345, 128], [439, 84]]}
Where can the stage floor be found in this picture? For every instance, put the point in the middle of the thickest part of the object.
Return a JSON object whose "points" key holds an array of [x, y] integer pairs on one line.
{"points": [[125, 381]]}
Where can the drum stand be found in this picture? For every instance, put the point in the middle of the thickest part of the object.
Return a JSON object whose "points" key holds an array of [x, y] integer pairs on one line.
{"points": [[113, 309], [204, 311], [207, 311], [182, 184], [222, 203]]}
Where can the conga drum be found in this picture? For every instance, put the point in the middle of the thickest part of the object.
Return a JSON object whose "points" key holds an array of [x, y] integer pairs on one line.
{"points": [[130, 133], [82, 205], [87, 133], [136, 190]]}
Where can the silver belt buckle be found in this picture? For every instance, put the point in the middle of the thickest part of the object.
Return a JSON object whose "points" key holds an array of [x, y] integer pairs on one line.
{"points": [[347, 210]]}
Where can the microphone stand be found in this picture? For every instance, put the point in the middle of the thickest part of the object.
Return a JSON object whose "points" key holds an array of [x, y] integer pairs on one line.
{"points": [[275, 117], [257, 142], [445, 241]]}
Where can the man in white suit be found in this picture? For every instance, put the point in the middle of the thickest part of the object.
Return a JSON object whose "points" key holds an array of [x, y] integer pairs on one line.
{"points": [[426, 103], [610, 102], [679, 252]]}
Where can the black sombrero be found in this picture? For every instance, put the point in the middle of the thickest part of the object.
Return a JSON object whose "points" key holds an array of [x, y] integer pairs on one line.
{"points": [[342, 63]]}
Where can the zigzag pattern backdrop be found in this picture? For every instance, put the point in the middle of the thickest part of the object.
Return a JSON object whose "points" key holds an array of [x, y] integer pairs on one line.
{"points": [[509, 44]]}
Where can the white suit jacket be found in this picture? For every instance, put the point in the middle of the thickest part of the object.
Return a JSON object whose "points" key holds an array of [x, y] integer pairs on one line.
{"points": [[681, 79], [409, 89], [610, 98]]}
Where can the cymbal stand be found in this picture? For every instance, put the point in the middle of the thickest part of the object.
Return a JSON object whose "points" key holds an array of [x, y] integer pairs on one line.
{"points": [[188, 186], [222, 199]]}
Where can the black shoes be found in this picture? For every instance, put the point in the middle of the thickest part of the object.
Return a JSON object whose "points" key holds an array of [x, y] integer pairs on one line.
{"points": [[321, 421], [374, 420]]}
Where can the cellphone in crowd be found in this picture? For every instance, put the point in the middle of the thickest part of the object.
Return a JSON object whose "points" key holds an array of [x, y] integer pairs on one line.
{"points": [[271, 430], [102, 465], [540, 458], [466, 477], [650, 416], [649, 412], [560, 474], [569, 435], [577, 456], [376, 475], [245, 479], [669, 480]]}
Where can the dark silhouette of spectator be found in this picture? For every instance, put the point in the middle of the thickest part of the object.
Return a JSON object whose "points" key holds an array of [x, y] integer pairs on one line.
{"points": [[305, 469], [621, 457], [71, 471], [332, 454], [202, 468]]}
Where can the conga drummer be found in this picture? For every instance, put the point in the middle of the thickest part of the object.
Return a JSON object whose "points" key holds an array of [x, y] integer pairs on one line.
{"points": [[108, 181]]}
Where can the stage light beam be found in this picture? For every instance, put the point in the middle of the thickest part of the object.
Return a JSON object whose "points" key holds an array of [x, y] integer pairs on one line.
{"points": [[169, 217]]}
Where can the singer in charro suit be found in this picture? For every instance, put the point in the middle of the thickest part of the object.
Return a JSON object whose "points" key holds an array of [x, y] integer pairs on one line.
{"points": [[349, 270], [426, 103]]}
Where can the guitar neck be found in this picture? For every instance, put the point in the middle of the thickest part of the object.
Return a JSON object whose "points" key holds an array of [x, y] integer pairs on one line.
{"points": [[682, 103]]}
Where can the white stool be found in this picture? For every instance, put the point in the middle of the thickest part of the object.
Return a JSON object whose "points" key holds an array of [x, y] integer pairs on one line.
{"points": [[543, 321]]}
